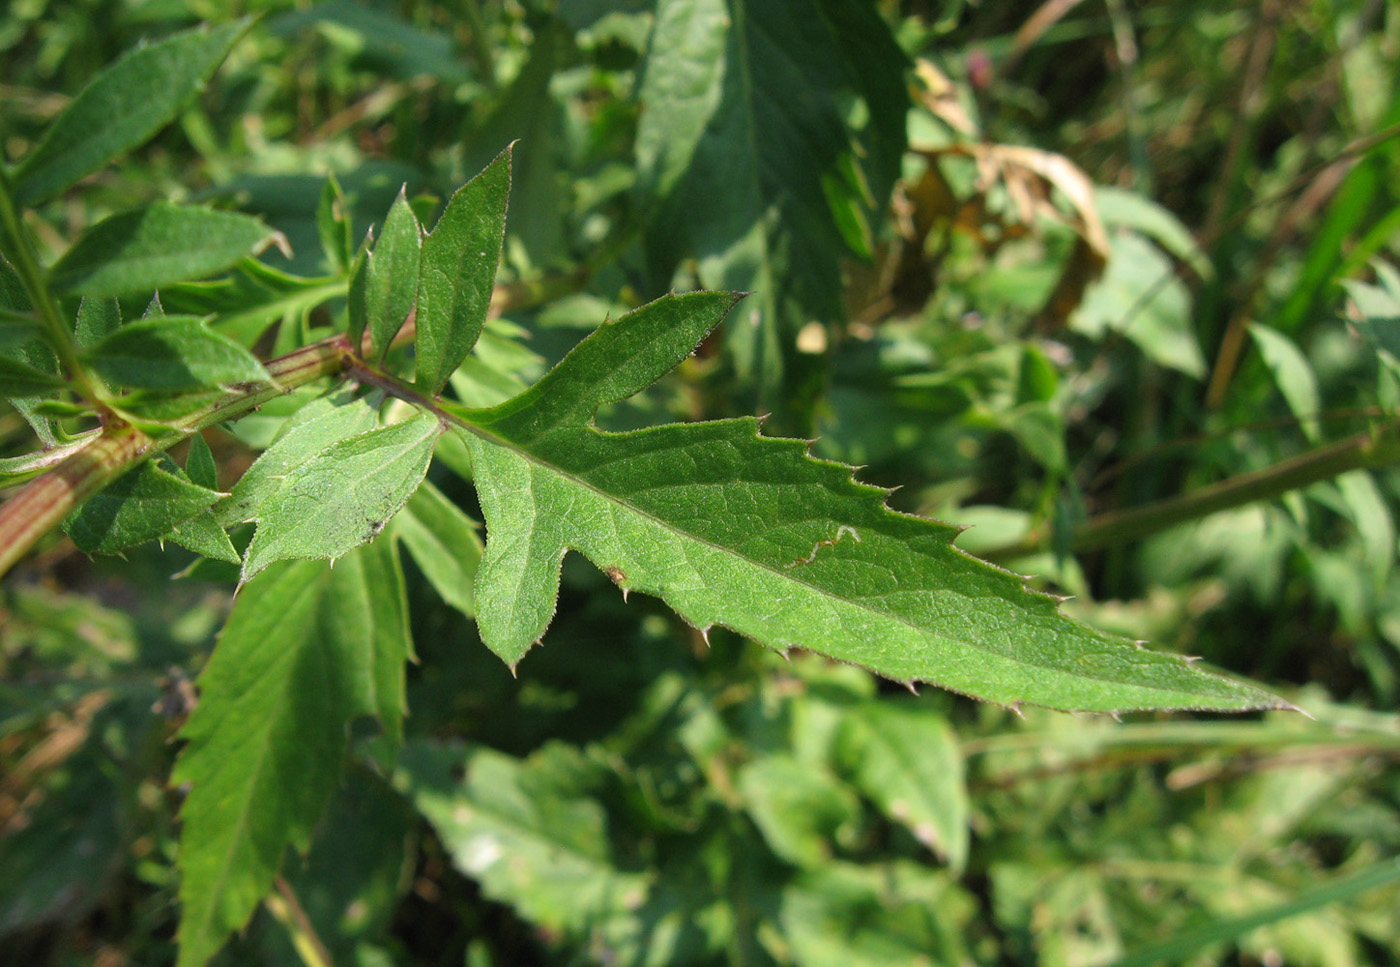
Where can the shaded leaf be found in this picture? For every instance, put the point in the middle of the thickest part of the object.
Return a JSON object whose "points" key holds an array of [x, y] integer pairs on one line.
{"points": [[852, 916], [199, 463], [306, 650], [152, 247], [746, 132], [445, 545], [905, 759], [142, 505], [122, 107], [18, 379], [524, 831], [97, 318], [736, 529], [172, 353], [344, 495]]}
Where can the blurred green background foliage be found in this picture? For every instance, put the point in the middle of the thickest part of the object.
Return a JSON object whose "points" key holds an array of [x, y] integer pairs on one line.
{"points": [[1035, 266]]}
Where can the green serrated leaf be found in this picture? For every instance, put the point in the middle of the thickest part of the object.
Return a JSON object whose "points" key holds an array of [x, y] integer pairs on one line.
{"points": [[748, 532], [97, 319], [300, 442], [172, 353], [203, 535], [444, 543], [344, 495], [152, 247], [458, 270], [391, 274], [307, 649], [746, 130], [142, 505], [122, 107]]}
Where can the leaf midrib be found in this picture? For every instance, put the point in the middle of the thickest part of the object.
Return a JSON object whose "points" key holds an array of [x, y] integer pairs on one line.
{"points": [[789, 575]]}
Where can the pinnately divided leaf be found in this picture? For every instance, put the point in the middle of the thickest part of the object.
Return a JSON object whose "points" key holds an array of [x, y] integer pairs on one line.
{"points": [[735, 529], [307, 649]]}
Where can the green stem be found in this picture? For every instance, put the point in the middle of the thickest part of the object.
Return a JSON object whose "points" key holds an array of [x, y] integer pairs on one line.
{"points": [[1361, 452], [481, 44], [26, 264], [44, 502]]}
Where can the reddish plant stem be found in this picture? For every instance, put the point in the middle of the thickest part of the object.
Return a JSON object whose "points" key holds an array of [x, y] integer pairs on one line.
{"points": [[42, 504]]}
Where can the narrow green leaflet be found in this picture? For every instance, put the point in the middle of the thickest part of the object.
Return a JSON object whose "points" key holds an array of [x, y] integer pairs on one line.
{"points": [[333, 226], [748, 532], [342, 497], [746, 119], [249, 299], [142, 505], [444, 543], [458, 268], [172, 353], [799, 808], [200, 465], [203, 535], [97, 319], [391, 274], [122, 107], [152, 247], [202, 532], [324, 425], [307, 649], [1293, 375]]}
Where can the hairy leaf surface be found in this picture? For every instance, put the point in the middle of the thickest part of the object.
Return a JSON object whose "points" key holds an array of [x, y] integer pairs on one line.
{"points": [[122, 107], [444, 543], [172, 353], [321, 425], [344, 495], [748, 532], [457, 268], [142, 505], [307, 649], [152, 247]]}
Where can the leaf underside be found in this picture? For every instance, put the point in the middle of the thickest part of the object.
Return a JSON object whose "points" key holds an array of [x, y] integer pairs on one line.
{"points": [[731, 528]]}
